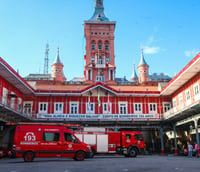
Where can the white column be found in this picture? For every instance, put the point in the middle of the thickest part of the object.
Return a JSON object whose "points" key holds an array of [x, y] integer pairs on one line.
{"points": [[87, 74]]}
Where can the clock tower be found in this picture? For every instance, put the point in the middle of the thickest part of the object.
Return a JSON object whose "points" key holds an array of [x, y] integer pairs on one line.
{"points": [[100, 57]]}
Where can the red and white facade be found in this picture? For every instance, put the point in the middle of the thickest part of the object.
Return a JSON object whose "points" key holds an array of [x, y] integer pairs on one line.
{"points": [[99, 100]]}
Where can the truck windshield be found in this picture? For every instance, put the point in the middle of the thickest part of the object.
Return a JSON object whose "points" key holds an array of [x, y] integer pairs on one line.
{"points": [[138, 137], [70, 138]]}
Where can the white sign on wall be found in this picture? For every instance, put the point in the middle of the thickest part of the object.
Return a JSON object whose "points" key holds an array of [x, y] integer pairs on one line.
{"points": [[97, 116]]}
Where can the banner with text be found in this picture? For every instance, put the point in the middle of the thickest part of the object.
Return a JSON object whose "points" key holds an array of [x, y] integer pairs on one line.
{"points": [[73, 117]]}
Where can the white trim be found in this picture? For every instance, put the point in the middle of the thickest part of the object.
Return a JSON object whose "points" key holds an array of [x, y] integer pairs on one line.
{"points": [[12, 100], [91, 111], [106, 111], [126, 107], [152, 111], [59, 110], [25, 109], [76, 105], [180, 100], [168, 108], [188, 101], [196, 94], [44, 109], [5, 96], [137, 111]]}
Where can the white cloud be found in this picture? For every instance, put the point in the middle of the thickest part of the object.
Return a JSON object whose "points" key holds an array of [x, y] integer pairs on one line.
{"points": [[191, 53], [151, 50]]}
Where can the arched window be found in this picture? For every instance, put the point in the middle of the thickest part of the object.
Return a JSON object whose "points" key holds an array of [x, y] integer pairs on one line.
{"points": [[93, 47], [106, 45], [100, 45]]}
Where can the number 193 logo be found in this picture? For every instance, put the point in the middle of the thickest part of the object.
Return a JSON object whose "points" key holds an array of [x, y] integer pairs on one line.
{"points": [[29, 136]]}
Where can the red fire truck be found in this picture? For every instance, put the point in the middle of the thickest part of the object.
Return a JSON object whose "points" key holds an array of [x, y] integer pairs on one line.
{"points": [[47, 140], [127, 143]]}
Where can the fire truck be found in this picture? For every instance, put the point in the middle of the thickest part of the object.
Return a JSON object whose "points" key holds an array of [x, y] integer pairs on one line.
{"points": [[127, 143], [30, 140]]}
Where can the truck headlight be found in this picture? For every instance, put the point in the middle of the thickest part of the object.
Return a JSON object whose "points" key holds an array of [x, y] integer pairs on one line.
{"points": [[89, 147]]}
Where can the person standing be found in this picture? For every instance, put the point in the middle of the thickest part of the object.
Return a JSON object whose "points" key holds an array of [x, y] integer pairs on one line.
{"points": [[196, 150], [190, 147]]}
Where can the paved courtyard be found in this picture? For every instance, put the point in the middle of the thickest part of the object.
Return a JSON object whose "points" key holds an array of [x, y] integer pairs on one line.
{"points": [[108, 163]]}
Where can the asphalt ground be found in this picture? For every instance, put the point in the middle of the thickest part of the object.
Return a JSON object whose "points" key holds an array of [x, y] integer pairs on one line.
{"points": [[104, 163]]}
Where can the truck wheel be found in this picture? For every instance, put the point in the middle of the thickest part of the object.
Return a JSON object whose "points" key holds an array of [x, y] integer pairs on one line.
{"points": [[80, 156], [28, 156], [133, 152]]}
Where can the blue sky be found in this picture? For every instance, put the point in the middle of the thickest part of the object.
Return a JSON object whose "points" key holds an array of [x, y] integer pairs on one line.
{"points": [[168, 30]]}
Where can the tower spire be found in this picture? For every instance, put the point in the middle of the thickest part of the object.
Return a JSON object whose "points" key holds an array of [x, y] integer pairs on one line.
{"points": [[57, 69], [142, 60], [134, 76], [143, 69], [57, 60], [99, 12], [46, 59]]}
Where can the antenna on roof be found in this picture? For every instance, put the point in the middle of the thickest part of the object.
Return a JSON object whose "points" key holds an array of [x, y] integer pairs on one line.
{"points": [[46, 59]]}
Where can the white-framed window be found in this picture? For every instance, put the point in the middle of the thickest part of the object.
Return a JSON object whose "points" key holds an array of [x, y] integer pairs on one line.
{"points": [[43, 107], [12, 101], [27, 107], [188, 97], [5, 96], [166, 106], [100, 77], [174, 102], [180, 99], [90, 108], [107, 108], [58, 107], [74, 107], [187, 94], [122, 107], [137, 107], [152, 108], [19, 104], [196, 91]]}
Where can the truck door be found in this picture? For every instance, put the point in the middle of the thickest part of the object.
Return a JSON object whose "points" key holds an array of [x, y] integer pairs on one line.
{"points": [[71, 145], [126, 139], [102, 143], [51, 145]]}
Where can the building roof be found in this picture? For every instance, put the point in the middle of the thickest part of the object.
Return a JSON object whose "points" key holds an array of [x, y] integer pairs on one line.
{"points": [[159, 77], [98, 12], [142, 60], [189, 71], [9, 74], [36, 77]]}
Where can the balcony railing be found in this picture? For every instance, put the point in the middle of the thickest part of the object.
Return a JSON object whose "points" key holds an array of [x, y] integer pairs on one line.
{"points": [[175, 111], [12, 105]]}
